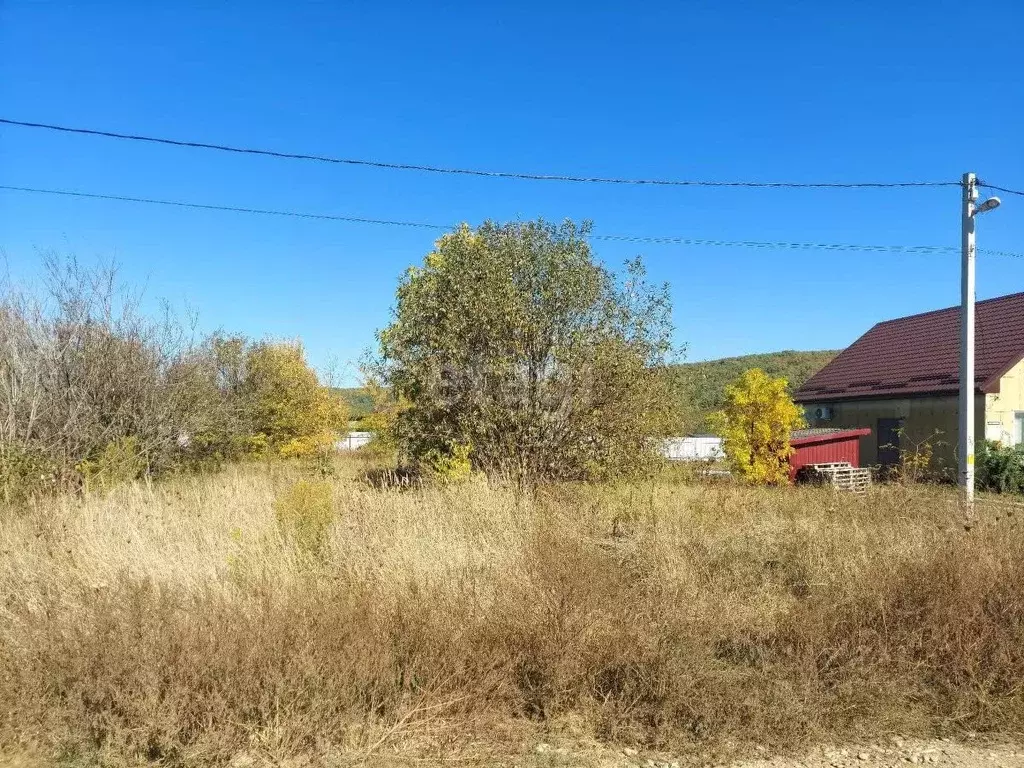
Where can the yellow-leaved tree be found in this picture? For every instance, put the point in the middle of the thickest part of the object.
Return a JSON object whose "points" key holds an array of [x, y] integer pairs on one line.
{"points": [[291, 412], [755, 424]]}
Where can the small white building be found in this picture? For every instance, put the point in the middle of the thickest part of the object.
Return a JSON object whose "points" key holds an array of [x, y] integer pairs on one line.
{"points": [[353, 441], [693, 448]]}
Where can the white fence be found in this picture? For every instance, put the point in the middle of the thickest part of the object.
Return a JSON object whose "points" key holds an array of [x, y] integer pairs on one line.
{"points": [[693, 448]]}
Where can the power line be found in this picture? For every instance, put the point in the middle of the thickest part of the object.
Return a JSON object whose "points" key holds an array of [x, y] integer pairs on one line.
{"points": [[782, 245], [1001, 189], [1007, 254], [656, 240], [234, 209], [477, 172]]}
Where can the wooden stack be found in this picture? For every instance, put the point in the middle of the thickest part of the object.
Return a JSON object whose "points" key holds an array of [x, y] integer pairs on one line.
{"points": [[842, 476]]}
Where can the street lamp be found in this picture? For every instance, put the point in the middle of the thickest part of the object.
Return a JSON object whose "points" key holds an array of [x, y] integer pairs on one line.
{"points": [[989, 205], [968, 253]]}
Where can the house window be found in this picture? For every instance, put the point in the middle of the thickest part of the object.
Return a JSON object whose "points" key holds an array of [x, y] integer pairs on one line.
{"points": [[1018, 428]]}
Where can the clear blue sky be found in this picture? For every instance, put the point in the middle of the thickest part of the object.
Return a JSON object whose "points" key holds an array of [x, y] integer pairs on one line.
{"points": [[759, 91]]}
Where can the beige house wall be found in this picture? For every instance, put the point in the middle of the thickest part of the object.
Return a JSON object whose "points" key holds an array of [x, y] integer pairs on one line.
{"points": [[1001, 409], [925, 419]]}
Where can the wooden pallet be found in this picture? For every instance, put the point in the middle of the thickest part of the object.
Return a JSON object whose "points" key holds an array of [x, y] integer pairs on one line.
{"points": [[843, 476]]}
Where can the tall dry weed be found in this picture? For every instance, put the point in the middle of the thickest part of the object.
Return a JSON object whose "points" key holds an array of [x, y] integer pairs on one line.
{"points": [[178, 623]]}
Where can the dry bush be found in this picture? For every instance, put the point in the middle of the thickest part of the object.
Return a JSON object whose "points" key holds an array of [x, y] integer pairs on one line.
{"points": [[95, 392], [85, 376], [175, 622]]}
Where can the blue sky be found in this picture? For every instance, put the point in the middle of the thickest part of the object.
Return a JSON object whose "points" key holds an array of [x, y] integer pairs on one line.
{"points": [[799, 91]]}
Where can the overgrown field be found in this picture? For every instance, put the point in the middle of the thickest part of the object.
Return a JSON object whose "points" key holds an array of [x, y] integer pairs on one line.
{"points": [[262, 613]]}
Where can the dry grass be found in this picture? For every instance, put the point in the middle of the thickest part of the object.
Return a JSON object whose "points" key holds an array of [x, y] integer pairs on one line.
{"points": [[180, 623]]}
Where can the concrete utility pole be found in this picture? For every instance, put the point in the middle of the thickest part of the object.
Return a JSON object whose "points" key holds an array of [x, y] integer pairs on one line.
{"points": [[968, 252], [966, 411]]}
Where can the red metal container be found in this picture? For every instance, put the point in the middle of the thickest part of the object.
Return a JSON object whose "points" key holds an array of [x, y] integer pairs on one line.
{"points": [[824, 446]]}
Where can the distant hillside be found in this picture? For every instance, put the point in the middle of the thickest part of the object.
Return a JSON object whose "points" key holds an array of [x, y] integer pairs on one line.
{"points": [[359, 402], [702, 385]]}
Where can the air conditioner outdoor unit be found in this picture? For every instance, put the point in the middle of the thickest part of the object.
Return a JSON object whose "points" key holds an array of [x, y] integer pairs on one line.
{"points": [[824, 413]]}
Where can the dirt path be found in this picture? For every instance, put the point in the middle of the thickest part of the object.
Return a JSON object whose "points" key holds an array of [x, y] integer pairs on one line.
{"points": [[902, 753], [891, 753]]}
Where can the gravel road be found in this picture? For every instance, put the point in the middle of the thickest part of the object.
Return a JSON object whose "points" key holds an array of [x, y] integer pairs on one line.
{"points": [[889, 753], [899, 753]]}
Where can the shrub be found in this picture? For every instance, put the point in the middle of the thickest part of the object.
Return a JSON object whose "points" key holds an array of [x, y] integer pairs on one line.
{"points": [[305, 513], [308, 446], [447, 466], [915, 462], [317, 452], [25, 473], [119, 461], [1000, 468]]}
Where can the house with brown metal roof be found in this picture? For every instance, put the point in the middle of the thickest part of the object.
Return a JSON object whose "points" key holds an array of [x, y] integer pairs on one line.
{"points": [[902, 379]]}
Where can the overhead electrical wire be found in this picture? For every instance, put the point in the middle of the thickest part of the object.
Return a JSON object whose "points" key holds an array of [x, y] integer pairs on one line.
{"points": [[995, 252], [1001, 189], [477, 172], [778, 244], [652, 239], [232, 208]]}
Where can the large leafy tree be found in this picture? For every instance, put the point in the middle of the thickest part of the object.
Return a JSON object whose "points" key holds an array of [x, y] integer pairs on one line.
{"points": [[513, 346], [756, 424]]}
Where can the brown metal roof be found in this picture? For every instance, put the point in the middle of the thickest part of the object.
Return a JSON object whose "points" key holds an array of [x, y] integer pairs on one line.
{"points": [[920, 354]]}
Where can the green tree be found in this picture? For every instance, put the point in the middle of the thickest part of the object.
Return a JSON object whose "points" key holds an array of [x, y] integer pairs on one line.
{"points": [[756, 423], [291, 413], [512, 346]]}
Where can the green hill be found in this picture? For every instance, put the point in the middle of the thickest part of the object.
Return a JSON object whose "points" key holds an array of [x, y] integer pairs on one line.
{"points": [[702, 384], [358, 399]]}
